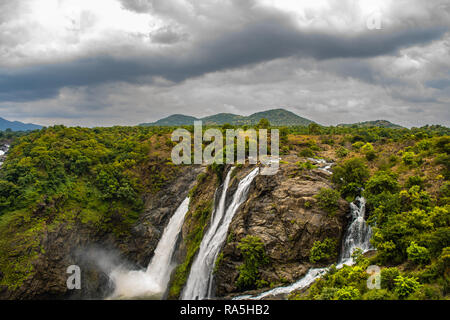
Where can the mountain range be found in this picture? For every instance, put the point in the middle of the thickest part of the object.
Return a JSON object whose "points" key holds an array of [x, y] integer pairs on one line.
{"points": [[17, 125], [368, 124], [276, 117]]}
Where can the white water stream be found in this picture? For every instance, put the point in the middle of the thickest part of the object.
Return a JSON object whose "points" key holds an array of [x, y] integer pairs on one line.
{"points": [[200, 281], [153, 282]]}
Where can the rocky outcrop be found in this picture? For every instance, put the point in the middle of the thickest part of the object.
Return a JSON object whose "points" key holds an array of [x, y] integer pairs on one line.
{"points": [[282, 211]]}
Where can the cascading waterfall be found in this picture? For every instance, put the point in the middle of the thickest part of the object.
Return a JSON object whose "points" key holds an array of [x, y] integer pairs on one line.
{"points": [[153, 282], [357, 235], [200, 281], [3, 150]]}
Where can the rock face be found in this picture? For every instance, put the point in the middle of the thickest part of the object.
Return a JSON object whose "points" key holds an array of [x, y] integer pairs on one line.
{"points": [[96, 251], [282, 211]]}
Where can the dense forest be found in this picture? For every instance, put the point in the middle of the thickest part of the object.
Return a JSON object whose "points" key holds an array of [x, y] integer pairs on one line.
{"points": [[101, 177]]}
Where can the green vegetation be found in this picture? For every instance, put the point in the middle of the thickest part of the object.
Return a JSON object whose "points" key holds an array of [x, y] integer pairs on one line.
{"points": [[66, 176], [407, 191], [328, 200], [252, 249], [350, 176], [323, 251]]}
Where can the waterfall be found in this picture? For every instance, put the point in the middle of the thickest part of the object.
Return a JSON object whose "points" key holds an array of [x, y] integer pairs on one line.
{"points": [[153, 282], [358, 233], [357, 236], [3, 150], [200, 281]]}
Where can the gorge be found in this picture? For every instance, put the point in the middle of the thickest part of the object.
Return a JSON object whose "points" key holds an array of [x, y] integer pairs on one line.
{"points": [[139, 227]]}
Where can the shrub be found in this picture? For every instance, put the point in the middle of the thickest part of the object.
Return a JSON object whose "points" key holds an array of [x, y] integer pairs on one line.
{"points": [[371, 155], [357, 145], [405, 286], [414, 181], [409, 158], [307, 153], [393, 159], [378, 294], [347, 293], [388, 276], [368, 147], [328, 200], [342, 152], [252, 249], [323, 250], [418, 254], [426, 293], [328, 293], [306, 165]]}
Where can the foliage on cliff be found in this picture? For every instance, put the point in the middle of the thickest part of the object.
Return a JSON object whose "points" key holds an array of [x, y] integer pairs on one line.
{"points": [[407, 192], [60, 175]]}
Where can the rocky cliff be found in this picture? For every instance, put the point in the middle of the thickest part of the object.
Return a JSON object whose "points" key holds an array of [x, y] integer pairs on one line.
{"points": [[281, 211], [97, 251]]}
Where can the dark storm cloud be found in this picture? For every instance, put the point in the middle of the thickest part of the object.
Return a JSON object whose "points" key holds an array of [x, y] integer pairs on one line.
{"points": [[440, 84], [265, 38], [198, 57], [167, 36]]}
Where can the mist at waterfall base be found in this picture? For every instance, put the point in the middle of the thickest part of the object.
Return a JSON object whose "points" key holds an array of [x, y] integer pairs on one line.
{"points": [[358, 235], [151, 283]]}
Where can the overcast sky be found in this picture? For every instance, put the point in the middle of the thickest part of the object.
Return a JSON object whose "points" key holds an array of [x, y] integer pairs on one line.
{"points": [[107, 62]]}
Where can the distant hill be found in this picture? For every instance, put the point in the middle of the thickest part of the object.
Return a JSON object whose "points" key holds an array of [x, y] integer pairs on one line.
{"points": [[173, 120], [276, 117], [279, 117], [376, 123], [222, 118], [17, 125]]}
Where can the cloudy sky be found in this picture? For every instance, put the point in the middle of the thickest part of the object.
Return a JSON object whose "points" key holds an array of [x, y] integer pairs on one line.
{"points": [[107, 62]]}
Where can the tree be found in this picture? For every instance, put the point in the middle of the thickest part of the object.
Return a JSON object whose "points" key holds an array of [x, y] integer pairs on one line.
{"points": [[382, 181], [350, 176], [252, 249], [313, 128], [418, 254], [323, 251], [405, 286], [263, 124]]}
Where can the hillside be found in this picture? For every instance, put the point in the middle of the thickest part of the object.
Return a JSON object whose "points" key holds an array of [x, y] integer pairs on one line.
{"points": [[222, 118], [173, 120], [368, 124], [277, 117], [17, 125]]}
